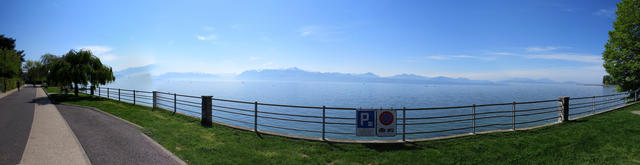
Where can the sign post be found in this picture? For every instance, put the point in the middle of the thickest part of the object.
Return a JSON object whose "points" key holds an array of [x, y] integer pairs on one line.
{"points": [[365, 122], [386, 125]]}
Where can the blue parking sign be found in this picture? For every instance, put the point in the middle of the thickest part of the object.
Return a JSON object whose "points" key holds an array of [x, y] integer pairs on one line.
{"points": [[365, 122]]}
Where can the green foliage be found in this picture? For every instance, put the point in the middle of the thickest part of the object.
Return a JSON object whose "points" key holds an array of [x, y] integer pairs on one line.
{"points": [[12, 83], [606, 80], [9, 66], [80, 67], [10, 44], [588, 140], [622, 51], [35, 71], [77, 68], [100, 75]]}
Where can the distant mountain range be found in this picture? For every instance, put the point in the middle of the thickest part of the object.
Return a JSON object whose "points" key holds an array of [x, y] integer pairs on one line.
{"points": [[536, 81], [186, 75], [296, 74], [134, 71]]}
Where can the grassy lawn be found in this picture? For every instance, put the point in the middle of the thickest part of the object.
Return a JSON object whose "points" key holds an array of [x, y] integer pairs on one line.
{"points": [[609, 138]]}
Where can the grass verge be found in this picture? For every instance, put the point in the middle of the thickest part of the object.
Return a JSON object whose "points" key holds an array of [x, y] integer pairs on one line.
{"points": [[609, 138]]}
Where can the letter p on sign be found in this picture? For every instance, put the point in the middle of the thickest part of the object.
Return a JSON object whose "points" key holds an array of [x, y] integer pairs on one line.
{"points": [[365, 122]]}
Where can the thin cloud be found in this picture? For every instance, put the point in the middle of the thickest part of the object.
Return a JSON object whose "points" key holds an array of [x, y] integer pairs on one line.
{"points": [[253, 58], [438, 57], [308, 30], [322, 33], [543, 49], [451, 57], [108, 57], [96, 49], [609, 13], [101, 52], [590, 74], [208, 28], [574, 57], [474, 57], [502, 53], [208, 37], [567, 57]]}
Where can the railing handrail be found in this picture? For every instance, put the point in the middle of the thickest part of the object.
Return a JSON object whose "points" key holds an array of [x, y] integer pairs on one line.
{"points": [[610, 100]]}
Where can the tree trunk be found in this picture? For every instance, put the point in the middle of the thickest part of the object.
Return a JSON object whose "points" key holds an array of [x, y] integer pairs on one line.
{"points": [[75, 90], [92, 88]]}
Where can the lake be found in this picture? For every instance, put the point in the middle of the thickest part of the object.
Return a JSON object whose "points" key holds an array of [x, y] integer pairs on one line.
{"points": [[368, 95]]}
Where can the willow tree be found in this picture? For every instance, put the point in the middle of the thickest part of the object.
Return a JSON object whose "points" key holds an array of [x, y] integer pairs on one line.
{"points": [[80, 69], [622, 51], [35, 71], [77, 68], [100, 75], [57, 74]]}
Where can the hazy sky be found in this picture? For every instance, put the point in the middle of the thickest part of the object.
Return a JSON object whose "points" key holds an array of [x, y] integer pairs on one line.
{"points": [[487, 40]]}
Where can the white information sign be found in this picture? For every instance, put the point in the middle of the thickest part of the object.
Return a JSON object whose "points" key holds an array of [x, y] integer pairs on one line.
{"points": [[366, 122], [386, 122]]}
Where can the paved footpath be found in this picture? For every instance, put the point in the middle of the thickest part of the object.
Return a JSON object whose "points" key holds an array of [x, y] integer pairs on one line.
{"points": [[16, 116], [34, 131]]}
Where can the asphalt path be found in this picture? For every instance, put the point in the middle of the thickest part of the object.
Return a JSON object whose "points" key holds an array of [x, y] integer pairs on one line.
{"points": [[104, 138], [108, 140], [16, 117]]}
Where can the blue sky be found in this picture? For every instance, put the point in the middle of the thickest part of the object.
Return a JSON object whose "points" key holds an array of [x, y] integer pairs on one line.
{"points": [[486, 40]]}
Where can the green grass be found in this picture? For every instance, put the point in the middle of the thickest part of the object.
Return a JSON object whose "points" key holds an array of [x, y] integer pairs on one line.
{"points": [[609, 138]]}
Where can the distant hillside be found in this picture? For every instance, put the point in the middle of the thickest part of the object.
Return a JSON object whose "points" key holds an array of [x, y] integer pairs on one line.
{"points": [[535, 81], [295, 74], [186, 75], [134, 71]]}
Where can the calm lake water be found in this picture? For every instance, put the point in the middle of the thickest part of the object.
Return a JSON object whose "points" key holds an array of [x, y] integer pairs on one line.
{"points": [[368, 95]]}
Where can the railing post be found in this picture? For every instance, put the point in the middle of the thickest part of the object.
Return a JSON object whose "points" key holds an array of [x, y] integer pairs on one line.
{"points": [[99, 91], [134, 97], [108, 93], [155, 100], [473, 119], [513, 116], [324, 113], [118, 94], [174, 103], [206, 112], [564, 109], [404, 124], [593, 105], [255, 118]]}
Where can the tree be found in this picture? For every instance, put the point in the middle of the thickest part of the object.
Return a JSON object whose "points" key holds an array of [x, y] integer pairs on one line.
{"points": [[622, 51], [77, 68], [9, 66], [606, 80], [57, 74], [80, 67], [35, 71], [100, 74], [10, 44]]}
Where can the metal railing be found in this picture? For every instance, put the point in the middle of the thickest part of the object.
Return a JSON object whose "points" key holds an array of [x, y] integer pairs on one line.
{"points": [[337, 124]]}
